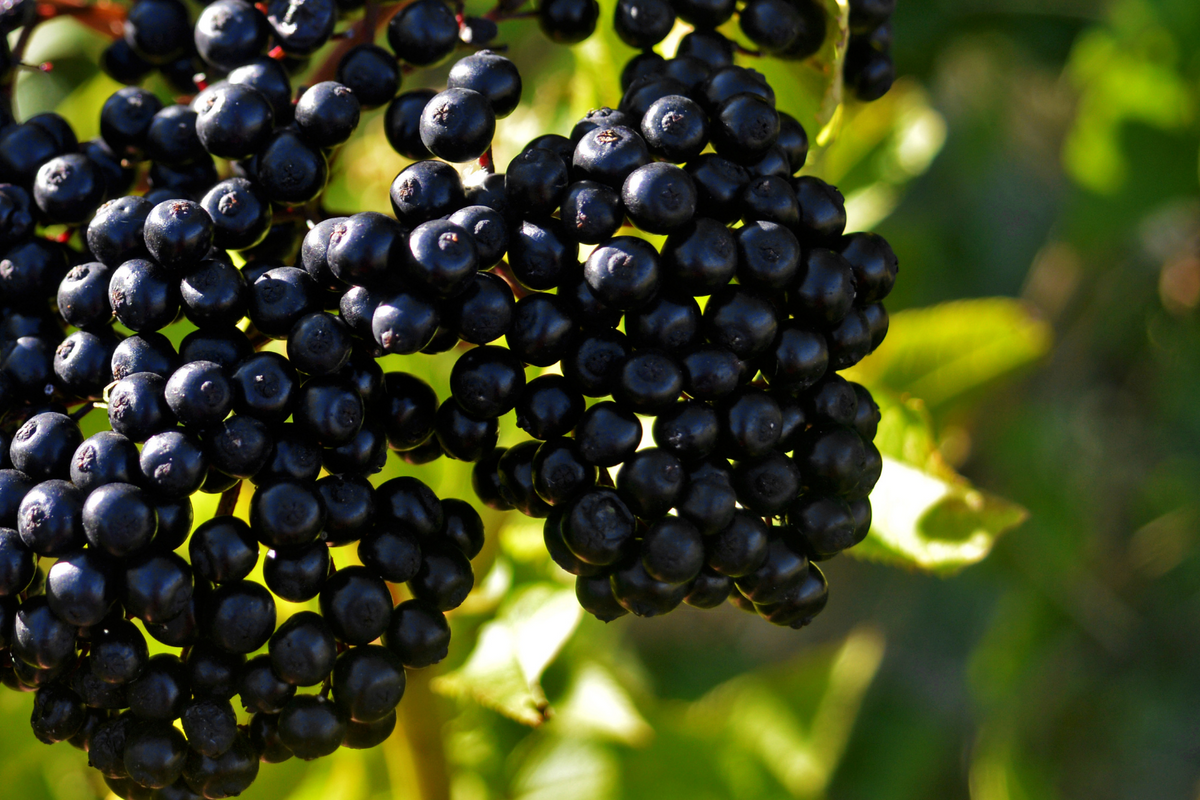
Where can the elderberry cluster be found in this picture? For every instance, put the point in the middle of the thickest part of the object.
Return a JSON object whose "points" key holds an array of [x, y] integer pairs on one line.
{"points": [[763, 457], [869, 68], [230, 39], [717, 301]]}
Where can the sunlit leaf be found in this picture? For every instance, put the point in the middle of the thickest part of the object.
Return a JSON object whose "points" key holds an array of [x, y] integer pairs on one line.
{"points": [[560, 768], [1121, 81], [596, 705], [926, 516], [504, 669], [944, 352]]}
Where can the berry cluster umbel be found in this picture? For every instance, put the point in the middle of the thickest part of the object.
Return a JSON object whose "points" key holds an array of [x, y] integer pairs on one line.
{"points": [[726, 341], [869, 68]]}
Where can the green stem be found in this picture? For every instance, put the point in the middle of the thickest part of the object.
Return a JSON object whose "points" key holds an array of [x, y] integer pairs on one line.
{"points": [[422, 723]]}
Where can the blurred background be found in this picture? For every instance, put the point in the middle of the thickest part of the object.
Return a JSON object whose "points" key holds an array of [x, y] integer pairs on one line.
{"points": [[1036, 171]]}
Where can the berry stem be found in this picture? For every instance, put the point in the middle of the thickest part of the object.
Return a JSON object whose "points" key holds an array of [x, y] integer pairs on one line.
{"points": [[364, 32], [228, 501], [487, 162], [421, 720], [82, 411]]}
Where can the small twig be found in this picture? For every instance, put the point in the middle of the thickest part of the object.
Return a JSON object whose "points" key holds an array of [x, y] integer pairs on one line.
{"points": [[81, 412], [228, 501]]}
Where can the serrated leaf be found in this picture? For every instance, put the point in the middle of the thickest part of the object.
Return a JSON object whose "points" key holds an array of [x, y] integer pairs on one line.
{"points": [[504, 669], [926, 516], [945, 352]]}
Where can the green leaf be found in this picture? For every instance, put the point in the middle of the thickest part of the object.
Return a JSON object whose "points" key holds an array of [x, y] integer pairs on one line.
{"points": [[557, 768], [504, 669], [925, 516], [597, 705], [945, 352], [776, 732]]}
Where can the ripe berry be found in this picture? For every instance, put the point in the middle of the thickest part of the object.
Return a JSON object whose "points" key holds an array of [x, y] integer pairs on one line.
{"points": [[418, 634], [493, 76], [675, 128], [423, 33], [568, 21], [744, 127], [659, 198], [593, 364], [233, 120], [607, 434], [624, 272], [458, 124], [371, 73], [356, 604], [548, 407], [598, 526]]}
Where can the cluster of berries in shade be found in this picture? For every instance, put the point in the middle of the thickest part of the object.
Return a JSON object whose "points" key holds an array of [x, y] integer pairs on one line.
{"points": [[869, 69], [791, 30], [725, 341]]}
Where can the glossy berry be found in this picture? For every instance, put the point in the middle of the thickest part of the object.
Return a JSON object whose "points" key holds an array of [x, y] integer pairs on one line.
{"points": [[228, 33], [482, 312], [659, 198], [329, 410], [233, 120], [517, 479], [444, 578], [418, 634], [593, 364], [402, 123], [458, 125], [319, 344], [493, 76], [643, 23], [672, 550], [144, 295], [371, 73], [356, 604], [265, 387], [642, 594], [426, 190], [311, 726], [568, 21], [607, 434], [542, 330], [119, 519], [223, 549], [50, 518], [598, 526], [624, 272], [591, 212], [327, 114], [442, 258], [286, 513], [648, 382], [302, 649], [487, 381], [744, 127], [423, 33], [297, 574]]}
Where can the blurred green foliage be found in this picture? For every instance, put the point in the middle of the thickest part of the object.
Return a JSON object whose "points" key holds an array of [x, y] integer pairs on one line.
{"points": [[1036, 171]]}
